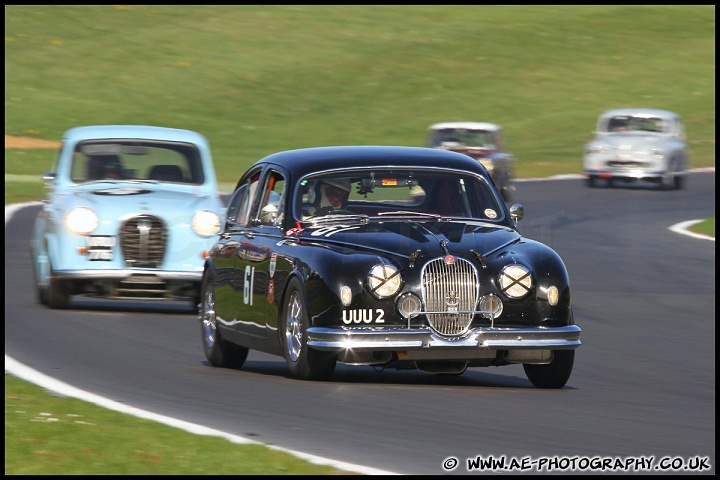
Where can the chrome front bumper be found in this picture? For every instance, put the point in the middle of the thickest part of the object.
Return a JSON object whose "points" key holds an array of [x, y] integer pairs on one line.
{"points": [[478, 339], [622, 172], [120, 274], [134, 284]]}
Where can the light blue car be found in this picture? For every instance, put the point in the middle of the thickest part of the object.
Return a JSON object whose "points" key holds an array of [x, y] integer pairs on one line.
{"points": [[131, 213]]}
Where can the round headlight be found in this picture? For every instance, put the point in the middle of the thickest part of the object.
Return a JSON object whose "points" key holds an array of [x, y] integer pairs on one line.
{"points": [[595, 149], [384, 280], [81, 220], [206, 223], [515, 281]]}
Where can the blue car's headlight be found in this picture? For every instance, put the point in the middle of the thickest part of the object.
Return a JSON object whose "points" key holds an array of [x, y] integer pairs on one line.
{"points": [[206, 223], [81, 220]]}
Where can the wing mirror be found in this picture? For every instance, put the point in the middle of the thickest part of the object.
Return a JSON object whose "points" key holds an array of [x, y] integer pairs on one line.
{"points": [[49, 180], [517, 212]]}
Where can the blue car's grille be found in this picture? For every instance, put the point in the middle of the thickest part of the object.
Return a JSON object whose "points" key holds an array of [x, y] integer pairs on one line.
{"points": [[450, 286], [143, 241]]}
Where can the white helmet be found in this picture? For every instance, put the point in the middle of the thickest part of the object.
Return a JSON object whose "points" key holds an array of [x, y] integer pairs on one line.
{"points": [[341, 183], [314, 190]]}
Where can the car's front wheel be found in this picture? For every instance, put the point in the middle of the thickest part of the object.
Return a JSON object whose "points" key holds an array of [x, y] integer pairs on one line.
{"points": [[219, 352], [42, 277], [303, 362], [55, 295], [679, 182], [667, 182], [671, 180], [554, 374], [49, 290]]}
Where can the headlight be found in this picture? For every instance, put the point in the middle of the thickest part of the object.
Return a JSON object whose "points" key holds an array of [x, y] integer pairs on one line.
{"points": [[345, 295], [657, 152], [206, 223], [595, 149], [553, 295], [515, 281], [81, 220], [384, 280]]}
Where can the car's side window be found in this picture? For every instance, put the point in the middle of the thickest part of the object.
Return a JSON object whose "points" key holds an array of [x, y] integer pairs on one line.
{"points": [[272, 202], [235, 203], [240, 204]]}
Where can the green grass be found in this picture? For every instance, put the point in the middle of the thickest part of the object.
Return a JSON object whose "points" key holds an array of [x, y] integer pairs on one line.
{"points": [[48, 434], [259, 79], [706, 227]]}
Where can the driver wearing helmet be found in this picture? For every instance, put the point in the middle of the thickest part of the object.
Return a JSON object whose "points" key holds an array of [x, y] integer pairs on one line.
{"points": [[104, 167], [328, 195]]}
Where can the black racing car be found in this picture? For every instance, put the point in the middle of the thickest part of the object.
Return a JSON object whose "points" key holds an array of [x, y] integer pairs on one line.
{"points": [[394, 257]]}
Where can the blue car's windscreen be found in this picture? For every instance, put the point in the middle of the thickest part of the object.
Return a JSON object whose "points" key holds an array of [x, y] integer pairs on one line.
{"points": [[136, 160]]}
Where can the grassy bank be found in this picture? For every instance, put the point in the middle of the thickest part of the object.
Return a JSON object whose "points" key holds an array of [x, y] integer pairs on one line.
{"points": [[258, 79], [48, 434]]}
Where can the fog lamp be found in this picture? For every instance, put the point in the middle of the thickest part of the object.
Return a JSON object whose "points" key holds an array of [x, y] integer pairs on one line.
{"points": [[492, 304]]}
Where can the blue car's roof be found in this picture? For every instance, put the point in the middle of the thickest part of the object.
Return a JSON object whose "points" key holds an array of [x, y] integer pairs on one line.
{"points": [[145, 132], [307, 160]]}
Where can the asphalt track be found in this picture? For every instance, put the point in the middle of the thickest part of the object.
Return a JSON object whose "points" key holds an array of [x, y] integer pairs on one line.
{"points": [[643, 385]]}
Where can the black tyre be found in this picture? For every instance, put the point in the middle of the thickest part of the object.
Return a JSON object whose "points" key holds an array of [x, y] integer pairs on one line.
{"points": [[41, 291], [679, 182], [219, 352], [303, 362], [671, 180], [41, 295], [49, 290], [592, 181], [554, 374], [56, 294], [667, 182]]}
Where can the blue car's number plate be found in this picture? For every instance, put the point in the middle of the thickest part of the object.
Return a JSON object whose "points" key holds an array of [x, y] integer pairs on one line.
{"points": [[100, 248]]}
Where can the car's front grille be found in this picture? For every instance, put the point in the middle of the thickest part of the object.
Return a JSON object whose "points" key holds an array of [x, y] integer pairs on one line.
{"points": [[450, 285], [627, 163], [143, 241]]}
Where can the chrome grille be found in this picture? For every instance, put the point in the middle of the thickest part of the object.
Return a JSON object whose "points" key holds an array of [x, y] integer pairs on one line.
{"points": [[451, 292], [143, 240]]}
